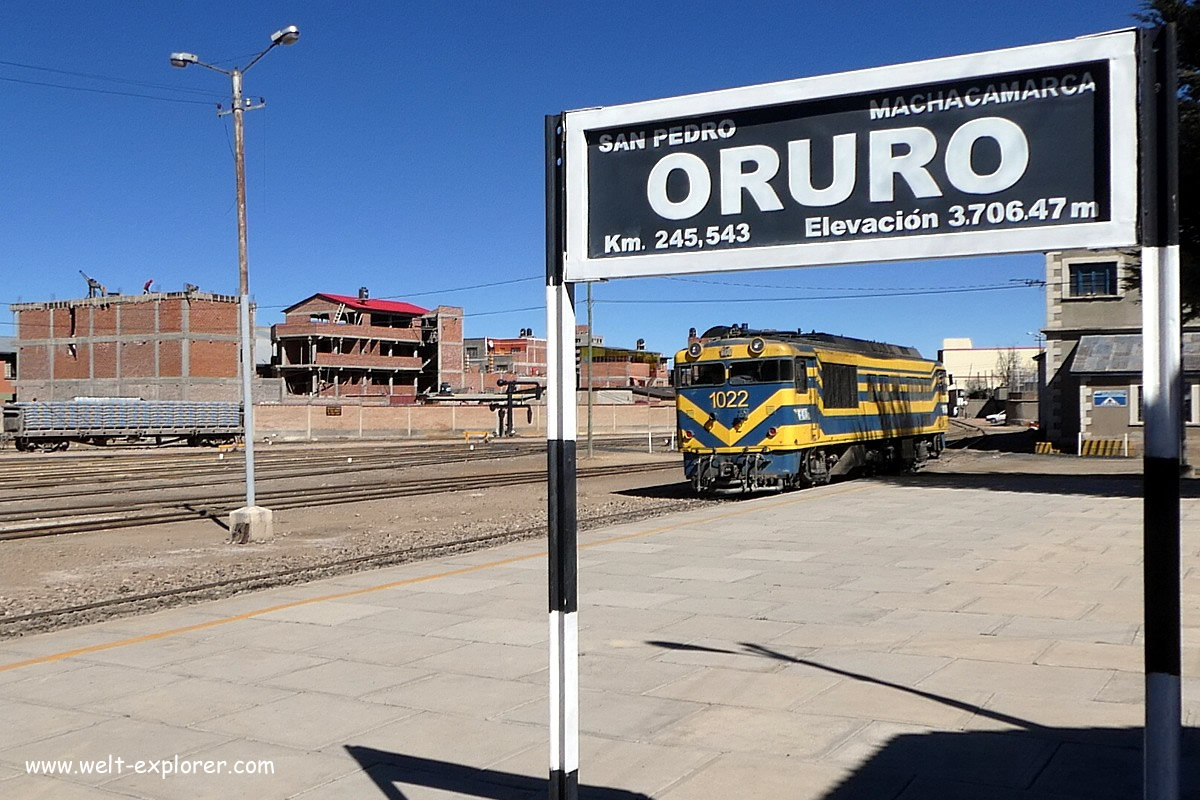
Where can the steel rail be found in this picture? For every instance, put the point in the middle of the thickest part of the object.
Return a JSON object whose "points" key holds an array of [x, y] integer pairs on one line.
{"points": [[300, 469], [54, 471], [284, 499]]}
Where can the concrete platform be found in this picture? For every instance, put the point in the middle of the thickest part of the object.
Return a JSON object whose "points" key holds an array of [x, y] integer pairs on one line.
{"points": [[916, 640]]}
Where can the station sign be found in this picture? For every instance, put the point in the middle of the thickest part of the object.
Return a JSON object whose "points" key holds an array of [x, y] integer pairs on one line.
{"points": [[1020, 150]]}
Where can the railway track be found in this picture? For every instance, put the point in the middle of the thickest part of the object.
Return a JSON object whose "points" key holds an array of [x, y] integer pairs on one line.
{"points": [[36, 472], [108, 607], [127, 513], [340, 464]]}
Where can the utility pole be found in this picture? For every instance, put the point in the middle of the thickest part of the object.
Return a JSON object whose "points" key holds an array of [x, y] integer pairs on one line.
{"points": [[250, 522], [239, 160]]}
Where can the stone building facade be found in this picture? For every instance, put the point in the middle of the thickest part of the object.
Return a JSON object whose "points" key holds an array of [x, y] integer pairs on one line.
{"points": [[1090, 377]]}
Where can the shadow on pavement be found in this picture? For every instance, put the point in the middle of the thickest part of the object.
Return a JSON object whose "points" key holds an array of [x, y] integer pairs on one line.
{"points": [[390, 770], [681, 490], [999, 440], [1037, 764], [1020, 760], [1091, 485]]}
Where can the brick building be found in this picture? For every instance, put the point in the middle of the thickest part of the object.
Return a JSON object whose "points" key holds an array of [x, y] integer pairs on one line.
{"points": [[621, 368], [8, 369], [333, 345], [156, 346], [489, 359]]}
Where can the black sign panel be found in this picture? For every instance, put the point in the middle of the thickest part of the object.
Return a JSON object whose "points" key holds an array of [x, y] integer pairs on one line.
{"points": [[1007, 152]]}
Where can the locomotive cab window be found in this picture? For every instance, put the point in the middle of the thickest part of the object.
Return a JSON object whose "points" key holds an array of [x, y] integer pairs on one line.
{"points": [[801, 375], [770, 370], [711, 373], [839, 385]]}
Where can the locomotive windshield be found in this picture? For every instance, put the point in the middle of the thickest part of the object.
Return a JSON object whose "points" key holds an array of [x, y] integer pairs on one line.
{"points": [[769, 370], [710, 373]]}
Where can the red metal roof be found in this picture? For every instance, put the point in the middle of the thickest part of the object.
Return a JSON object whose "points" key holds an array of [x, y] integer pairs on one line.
{"points": [[387, 306]]}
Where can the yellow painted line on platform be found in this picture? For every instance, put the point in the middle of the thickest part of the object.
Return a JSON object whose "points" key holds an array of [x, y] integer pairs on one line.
{"points": [[150, 637]]}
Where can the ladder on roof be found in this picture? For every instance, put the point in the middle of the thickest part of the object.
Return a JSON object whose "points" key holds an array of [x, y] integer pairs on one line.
{"points": [[337, 318]]}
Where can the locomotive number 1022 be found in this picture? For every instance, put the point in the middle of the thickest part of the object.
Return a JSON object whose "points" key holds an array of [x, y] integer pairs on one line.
{"points": [[734, 398]]}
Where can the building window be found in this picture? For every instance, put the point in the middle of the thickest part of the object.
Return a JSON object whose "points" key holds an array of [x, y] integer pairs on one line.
{"points": [[1191, 405], [1092, 279]]}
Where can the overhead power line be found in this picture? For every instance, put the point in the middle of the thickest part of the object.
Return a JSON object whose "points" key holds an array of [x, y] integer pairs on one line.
{"points": [[468, 288], [112, 79], [107, 91]]}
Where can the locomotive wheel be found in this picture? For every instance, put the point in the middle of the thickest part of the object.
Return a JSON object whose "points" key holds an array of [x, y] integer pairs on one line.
{"points": [[815, 471]]}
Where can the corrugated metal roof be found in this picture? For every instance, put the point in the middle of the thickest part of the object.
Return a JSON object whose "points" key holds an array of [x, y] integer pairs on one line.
{"points": [[386, 306], [1122, 352], [390, 306]]}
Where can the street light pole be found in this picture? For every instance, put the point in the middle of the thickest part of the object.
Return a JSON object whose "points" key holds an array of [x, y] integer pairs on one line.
{"points": [[250, 522], [239, 159]]}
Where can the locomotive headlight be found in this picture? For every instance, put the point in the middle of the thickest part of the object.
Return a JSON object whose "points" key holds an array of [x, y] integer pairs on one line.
{"points": [[757, 345], [694, 350]]}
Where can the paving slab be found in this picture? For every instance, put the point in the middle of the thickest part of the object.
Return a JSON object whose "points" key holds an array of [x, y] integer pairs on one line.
{"points": [[916, 642], [305, 721]]}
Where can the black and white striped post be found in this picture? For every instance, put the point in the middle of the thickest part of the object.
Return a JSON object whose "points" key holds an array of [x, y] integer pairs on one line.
{"points": [[560, 494], [1162, 392]]}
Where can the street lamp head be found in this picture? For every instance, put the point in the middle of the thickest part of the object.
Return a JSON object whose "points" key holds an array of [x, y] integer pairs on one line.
{"points": [[287, 35], [181, 60]]}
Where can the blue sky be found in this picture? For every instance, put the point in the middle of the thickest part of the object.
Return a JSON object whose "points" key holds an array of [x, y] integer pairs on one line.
{"points": [[401, 149]]}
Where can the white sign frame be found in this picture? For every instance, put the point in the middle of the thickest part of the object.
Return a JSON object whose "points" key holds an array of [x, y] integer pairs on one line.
{"points": [[1118, 48]]}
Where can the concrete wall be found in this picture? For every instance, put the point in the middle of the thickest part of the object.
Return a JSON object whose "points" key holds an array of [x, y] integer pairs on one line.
{"points": [[401, 422], [983, 367]]}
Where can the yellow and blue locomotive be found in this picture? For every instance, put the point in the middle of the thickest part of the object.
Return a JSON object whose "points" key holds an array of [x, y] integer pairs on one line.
{"points": [[777, 409]]}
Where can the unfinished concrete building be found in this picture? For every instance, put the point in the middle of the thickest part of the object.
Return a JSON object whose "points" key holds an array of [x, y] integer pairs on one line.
{"points": [[156, 346], [333, 345], [491, 359]]}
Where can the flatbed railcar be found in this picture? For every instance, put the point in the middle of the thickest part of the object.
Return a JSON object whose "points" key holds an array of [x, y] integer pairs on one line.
{"points": [[765, 409], [55, 425]]}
